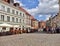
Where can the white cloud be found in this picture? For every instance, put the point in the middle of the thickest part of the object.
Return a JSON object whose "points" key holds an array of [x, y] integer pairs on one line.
{"points": [[56, 6], [45, 7], [40, 15]]}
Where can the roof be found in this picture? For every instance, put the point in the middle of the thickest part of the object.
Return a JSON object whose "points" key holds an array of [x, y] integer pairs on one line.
{"points": [[24, 11]]}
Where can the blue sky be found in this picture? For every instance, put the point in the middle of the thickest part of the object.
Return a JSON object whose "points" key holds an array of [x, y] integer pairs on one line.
{"points": [[40, 9], [30, 3]]}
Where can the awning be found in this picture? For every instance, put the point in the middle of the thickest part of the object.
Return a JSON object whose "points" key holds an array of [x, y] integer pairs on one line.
{"points": [[16, 25], [5, 25], [32, 27], [28, 26]]}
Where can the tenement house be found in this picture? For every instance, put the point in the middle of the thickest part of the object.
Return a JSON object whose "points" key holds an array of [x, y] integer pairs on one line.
{"points": [[12, 16]]}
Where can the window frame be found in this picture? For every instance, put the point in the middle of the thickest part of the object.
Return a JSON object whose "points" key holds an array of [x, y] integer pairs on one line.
{"points": [[2, 17], [8, 18], [8, 10]]}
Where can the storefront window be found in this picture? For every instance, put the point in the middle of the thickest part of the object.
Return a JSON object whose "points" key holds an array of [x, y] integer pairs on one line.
{"points": [[3, 28]]}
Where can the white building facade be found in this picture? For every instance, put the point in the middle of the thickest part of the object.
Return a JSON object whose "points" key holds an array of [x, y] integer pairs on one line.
{"points": [[11, 15]]}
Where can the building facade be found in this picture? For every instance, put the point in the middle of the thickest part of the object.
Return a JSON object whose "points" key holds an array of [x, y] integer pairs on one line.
{"points": [[12, 14], [42, 24], [54, 21], [35, 23]]}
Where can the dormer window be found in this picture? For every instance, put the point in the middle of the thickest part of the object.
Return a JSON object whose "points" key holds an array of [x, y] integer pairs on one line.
{"points": [[16, 4]]}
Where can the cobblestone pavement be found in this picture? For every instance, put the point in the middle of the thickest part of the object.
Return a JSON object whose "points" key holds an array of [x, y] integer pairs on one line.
{"points": [[32, 39]]}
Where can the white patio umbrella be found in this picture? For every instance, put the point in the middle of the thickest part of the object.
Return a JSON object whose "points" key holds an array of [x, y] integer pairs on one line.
{"points": [[16, 25], [28, 26], [32, 27], [5, 25]]}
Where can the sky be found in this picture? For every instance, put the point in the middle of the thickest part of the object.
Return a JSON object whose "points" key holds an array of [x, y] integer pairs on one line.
{"points": [[40, 9]]}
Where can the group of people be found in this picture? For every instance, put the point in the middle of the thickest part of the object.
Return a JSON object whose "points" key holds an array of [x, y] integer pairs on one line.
{"points": [[50, 29]]}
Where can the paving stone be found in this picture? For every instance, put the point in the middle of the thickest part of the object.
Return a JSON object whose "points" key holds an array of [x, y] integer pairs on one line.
{"points": [[31, 39]]}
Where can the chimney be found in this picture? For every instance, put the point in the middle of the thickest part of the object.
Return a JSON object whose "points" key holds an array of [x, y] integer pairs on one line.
{"points": [[16, 4]]}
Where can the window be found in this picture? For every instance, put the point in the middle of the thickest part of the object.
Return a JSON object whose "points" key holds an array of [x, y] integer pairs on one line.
{"points": [[23, 15], [8, 18], [2, 17], [8, 10], [17, 20], [23, 21], [3, 8], [11, 28], [12, 19], [17, 12], [3, 28], [20, 13], [13, 12], [20, 20]]}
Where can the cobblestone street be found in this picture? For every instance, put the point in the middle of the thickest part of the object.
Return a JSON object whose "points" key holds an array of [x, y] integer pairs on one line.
{"points": [[32, 39]]}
